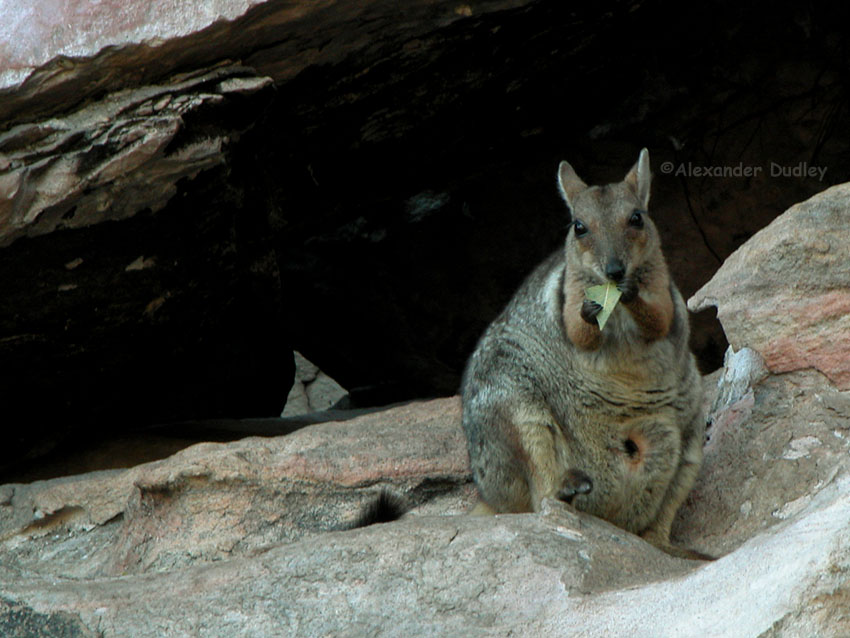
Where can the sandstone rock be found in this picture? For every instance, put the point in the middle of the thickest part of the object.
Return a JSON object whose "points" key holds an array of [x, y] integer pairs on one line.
{"points": [[111, 159], [38, 34], [425, 577], [786, 292], [19, 621], [212, 501], [312, 390], [252, 537], [54, 56], [768, 456], [559, 574]]}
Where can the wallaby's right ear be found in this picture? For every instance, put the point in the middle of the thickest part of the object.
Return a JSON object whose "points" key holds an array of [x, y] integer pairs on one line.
{"points": [[569, 183], [639, 178]]}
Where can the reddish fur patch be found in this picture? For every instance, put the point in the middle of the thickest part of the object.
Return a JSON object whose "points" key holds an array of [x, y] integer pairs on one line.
{"points": [[652, 309], [654, 319], [583, 335]]}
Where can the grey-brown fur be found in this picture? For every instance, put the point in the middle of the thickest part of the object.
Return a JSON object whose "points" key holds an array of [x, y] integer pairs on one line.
{"points": [[609, 421]]}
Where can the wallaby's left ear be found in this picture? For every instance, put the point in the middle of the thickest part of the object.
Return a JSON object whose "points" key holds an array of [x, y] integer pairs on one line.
{"points": [[570, 184], [639, 177]]}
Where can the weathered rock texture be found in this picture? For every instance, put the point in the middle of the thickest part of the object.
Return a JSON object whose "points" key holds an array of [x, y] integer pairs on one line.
{"points": [[312, 390], [214, 501], [57, 52], [115, 157], [768, 455], [786, 292], [237, 539]]}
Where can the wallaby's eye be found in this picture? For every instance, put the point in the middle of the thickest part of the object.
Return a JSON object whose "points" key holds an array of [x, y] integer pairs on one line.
{"points": [[636, 220], [580, 228]]}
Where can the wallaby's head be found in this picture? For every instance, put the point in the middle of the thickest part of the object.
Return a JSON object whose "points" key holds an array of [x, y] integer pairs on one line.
{"points": [[611, 235]]}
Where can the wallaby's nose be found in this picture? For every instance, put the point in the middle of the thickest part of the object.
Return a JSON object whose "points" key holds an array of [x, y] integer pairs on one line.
{"points": [[615, 270]]}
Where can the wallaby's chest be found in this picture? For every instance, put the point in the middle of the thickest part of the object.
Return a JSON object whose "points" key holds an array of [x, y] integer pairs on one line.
{"points": [[622, 380]]}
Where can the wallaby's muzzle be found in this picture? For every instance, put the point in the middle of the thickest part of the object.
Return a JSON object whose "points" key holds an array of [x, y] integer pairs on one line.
{"points": [[615, 270]]}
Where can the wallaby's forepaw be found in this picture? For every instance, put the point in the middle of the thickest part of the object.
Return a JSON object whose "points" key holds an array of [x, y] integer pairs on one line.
{"points": [[628, 290], [589, 310], [576, 482]]}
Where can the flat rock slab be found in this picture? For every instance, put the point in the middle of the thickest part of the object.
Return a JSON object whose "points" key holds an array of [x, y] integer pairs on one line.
{"points": [[254, 538], [214, 500], [559, 574]]}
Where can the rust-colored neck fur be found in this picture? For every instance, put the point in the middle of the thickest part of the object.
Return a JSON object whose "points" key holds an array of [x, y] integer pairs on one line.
{"points": [[652, 309]]}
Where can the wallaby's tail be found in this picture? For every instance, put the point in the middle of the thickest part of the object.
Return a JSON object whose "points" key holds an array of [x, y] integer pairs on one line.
{"points": [[386, 507]]}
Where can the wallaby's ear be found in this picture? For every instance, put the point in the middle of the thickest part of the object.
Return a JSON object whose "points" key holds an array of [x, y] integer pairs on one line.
{"points": [[569, 183], [639, 177]]}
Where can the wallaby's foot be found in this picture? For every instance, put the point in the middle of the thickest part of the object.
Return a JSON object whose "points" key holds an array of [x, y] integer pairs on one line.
{"points": [[668, 548], [695, 555], [576, 482], [482, 509], [690, 554]]}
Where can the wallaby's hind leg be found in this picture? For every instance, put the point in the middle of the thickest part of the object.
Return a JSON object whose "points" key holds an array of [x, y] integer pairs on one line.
{"points": [[496, 458], [521, 461], [549, 475], [575, 482], [658, 533]]}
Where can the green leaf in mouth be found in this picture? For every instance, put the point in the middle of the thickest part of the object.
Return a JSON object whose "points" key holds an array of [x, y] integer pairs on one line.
{"points": [[607, 296]]}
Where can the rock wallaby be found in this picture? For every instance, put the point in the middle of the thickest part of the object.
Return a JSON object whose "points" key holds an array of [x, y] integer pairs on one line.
{"points": [[607, 420]]}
